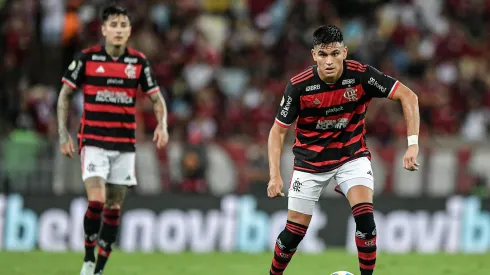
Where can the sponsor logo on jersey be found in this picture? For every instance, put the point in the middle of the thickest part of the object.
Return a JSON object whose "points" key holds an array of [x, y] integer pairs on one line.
{"points": [[313, 87], [348, 81], [285, 109], [375, 83], [328, 124], [113, 97], [98, 57], [147, 73], [115, 81], [130, 60], [334, 110]]}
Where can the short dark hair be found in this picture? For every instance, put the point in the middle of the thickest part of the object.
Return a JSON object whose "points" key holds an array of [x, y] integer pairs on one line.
{"points": [[113, 10], [327, 34]]}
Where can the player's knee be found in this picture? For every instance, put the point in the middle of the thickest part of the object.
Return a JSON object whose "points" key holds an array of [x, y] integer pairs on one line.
{"points": [[113, 205]]}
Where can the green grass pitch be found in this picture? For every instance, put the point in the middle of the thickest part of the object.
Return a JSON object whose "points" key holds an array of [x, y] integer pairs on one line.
{"points": [[30, 263]]}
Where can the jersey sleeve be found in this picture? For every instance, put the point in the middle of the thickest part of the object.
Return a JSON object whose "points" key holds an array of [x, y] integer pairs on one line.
{"points": [[289, 107], [147, 79], [378, 84], [75, 73]]}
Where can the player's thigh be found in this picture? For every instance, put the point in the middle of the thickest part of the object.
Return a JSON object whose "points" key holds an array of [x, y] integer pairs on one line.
{"points": [[123, 169], [95, 169], [356, 180], [304, 191]]}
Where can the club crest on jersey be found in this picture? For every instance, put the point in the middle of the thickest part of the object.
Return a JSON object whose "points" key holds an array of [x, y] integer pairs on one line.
{"points": [[351, 94], [130, 71]]}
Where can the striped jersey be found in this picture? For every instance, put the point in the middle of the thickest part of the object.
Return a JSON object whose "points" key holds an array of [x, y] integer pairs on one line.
{"points": [[330, 118], [109, 88]]}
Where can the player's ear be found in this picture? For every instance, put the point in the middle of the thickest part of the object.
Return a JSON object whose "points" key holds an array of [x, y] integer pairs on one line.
{"points": [[345, 52], [313, 54], [102, 29]]}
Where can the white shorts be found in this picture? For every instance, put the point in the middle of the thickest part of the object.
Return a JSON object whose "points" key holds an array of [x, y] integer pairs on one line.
{"points": [[305, 188], [113, 166]]}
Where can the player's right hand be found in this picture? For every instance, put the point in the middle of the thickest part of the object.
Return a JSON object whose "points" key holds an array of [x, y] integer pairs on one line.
{"points": [[68, 148], [274, 187]]}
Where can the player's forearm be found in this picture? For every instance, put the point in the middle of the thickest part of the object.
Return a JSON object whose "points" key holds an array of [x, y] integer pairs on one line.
{"points": [[410, 106], [160, 109], [63, 109], [275, 146]]}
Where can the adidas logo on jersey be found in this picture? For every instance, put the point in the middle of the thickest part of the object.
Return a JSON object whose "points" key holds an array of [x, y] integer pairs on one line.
{"points": [[100, 70]]}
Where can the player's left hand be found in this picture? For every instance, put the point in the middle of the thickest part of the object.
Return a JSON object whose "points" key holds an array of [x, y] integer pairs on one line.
{"points": [[410, 158], [160, 137]]}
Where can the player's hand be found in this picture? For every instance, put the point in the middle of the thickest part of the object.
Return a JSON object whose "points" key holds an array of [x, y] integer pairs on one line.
{"points": [[67, 148], [160, 137], [274, 188], [410, 158]]}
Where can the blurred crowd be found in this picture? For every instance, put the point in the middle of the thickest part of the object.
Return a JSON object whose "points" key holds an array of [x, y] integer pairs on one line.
{"points": [[223, 64]]}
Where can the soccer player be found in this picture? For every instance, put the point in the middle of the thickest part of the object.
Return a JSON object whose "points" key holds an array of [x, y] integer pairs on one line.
{"points": [[329, 103], [109, 77]]}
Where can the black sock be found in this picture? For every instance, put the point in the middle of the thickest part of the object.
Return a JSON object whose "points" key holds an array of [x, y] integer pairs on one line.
{"points": [[365, 237], [286, 244], [91, 226], [107, 237]]}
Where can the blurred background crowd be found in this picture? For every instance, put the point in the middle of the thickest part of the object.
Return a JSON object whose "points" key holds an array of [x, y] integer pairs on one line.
{"points": [[223, 65]]}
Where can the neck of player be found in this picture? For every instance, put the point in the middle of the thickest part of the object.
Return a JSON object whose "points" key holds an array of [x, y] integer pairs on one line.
{"points": [[114, 51]]}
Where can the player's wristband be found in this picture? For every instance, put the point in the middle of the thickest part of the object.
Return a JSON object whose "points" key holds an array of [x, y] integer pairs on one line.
{"points": [[413, 140]]}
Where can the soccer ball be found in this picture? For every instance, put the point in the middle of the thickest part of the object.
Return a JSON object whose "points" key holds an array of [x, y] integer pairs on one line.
{"points": [[342, 273]]}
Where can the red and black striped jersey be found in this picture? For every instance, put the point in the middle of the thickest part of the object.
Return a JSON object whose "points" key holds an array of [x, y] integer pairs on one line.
{"points": [[109, 88], [330, 118]]}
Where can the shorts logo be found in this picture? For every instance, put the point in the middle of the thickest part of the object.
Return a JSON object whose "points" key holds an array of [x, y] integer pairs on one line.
{"points": [[370, 173], [91, 167], [296, 186], [128, 177], [351, 94]]}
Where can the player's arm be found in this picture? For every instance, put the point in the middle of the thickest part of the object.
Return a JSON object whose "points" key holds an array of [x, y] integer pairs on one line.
{"points": [[63, 109], [160, 109], [377, 84], [410, 107], [287, 113], [152, 90], [72, 78]]}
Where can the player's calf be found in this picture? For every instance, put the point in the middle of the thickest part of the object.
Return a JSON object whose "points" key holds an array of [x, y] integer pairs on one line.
{"points": [[110, 225], [91, 226], [91, 222], [365, 236], [286, 244]]}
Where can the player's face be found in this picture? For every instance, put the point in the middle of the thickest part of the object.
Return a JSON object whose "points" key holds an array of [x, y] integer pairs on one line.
{"points": [[116, 30], [329, 59]]}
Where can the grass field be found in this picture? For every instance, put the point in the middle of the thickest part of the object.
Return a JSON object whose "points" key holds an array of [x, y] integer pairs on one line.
{"points": [[241, 264]]}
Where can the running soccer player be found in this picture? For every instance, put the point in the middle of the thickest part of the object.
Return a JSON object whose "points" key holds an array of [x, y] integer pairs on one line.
{"points": [[329, 103], [109, 77]]}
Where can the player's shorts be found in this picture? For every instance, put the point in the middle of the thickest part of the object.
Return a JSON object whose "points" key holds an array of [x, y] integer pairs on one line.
{"points": [[113, 166], [305, 188]]}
